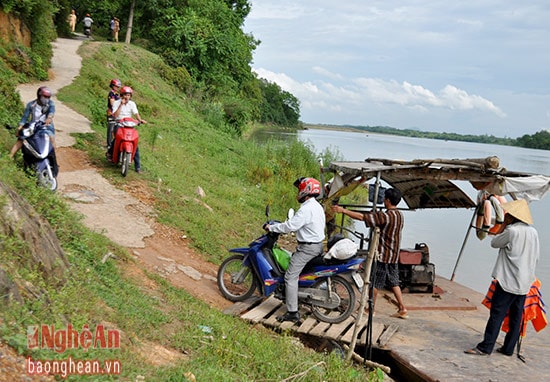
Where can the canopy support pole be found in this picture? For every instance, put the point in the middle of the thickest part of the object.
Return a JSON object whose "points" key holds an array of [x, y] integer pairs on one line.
{"points": [[464, 243], [365, 293]]}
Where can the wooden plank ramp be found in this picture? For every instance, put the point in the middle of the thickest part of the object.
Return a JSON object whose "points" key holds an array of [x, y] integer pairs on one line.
{"points": [[265, 312]]}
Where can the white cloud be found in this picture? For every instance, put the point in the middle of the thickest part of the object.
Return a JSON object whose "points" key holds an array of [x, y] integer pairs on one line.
{"points": [[472, 65], [364, 90]]}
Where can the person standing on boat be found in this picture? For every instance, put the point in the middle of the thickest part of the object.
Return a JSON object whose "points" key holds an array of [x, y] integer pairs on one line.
{"points": [[309, 225], [391, 223], [514, 271]]}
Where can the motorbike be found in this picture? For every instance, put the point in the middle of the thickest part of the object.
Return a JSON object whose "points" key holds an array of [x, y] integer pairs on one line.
{"points": [[126, 143], [87, 31], [39, 154], [321, 286]]}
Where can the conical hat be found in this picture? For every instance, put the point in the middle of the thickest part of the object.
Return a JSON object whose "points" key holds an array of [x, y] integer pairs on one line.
{"points": [[518, 209]]}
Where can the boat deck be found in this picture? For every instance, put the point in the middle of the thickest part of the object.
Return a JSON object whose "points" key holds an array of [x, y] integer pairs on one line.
{"points": [[430, 344]]}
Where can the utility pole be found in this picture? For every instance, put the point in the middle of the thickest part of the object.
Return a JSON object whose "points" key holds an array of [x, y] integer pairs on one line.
{"points": [[130, 22]]}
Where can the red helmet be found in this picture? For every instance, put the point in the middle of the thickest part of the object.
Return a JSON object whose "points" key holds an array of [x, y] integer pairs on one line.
{"points": [[115, 82], [43, 91], [307, 187], [126, 90]]}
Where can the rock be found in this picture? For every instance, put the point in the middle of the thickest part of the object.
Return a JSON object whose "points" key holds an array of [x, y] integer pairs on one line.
{"points": [[200, 192], [19, 219], [190, 271]]}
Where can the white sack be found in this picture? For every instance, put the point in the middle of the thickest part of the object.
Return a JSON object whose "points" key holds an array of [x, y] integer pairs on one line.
{"points": [[342, 250]]}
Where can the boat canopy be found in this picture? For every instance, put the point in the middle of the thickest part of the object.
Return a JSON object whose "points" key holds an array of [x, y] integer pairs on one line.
{"points": [[429, 183]]}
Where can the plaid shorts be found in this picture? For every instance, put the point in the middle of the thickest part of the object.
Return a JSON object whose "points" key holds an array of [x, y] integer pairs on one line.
{"points": [[386, 275]]}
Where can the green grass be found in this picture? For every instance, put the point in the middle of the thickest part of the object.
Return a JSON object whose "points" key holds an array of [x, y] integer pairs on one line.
{"points": [[180, 152]]}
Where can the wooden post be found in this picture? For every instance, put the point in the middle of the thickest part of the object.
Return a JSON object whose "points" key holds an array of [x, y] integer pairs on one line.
{"points": [[373, 245], [464, 243]]}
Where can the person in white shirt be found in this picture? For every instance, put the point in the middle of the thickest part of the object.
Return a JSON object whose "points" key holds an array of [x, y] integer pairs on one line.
{"points": [[126, 108], [514, 271], [309, 225]]}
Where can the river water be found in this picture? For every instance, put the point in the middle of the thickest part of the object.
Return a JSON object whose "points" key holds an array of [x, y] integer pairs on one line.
{"points": [[444, 231]]}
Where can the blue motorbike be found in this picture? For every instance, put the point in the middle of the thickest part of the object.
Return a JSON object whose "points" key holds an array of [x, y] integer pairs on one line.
{"points": [[39, 154], [322, 285]]}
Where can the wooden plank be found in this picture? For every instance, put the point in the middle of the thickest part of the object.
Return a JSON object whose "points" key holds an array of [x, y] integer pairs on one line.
{"points": [[239, 307], [308, 325], [337, 330], [272, 320], [377, 329], [386, 335], [262, 310], [319, 330], [348, 335], [288, 324]]}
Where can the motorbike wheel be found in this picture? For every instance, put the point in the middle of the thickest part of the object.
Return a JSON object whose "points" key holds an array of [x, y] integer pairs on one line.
{"points": [[235, 280], [47, 180], [126, 158], [344, 290]]}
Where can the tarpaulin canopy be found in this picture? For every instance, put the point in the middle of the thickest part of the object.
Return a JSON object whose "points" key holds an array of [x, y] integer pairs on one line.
{"points": [[428, 183]]}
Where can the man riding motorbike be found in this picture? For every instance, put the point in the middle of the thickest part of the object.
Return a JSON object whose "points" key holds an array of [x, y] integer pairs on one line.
{"points": [[41, 109], [126, 108], [309, 225]]}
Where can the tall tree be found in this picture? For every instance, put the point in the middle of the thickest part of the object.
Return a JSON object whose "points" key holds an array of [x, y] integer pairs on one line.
{"points": [[130, 23]]}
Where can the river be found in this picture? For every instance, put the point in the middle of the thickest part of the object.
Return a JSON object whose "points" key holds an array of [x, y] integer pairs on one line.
{"points": [[444, 230]]}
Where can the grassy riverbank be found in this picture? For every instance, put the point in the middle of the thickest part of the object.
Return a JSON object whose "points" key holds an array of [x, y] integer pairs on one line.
{"points": [[185, 146]]}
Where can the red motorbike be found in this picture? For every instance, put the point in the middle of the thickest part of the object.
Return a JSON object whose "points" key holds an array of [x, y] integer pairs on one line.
{"points": [[126, 143]]}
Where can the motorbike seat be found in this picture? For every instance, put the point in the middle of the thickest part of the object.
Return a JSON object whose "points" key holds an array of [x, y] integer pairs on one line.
{"points": [[320, 261]]}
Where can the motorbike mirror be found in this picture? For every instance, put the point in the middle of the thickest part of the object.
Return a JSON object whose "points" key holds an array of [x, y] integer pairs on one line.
{"points": [[290, 213], [267, 211]]}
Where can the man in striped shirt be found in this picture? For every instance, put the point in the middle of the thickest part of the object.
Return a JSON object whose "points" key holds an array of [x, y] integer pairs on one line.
{"points": [[390, 223]]}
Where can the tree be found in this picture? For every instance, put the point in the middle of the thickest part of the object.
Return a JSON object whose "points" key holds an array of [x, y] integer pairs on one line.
{"points": [[278, 106], [130, 23]]}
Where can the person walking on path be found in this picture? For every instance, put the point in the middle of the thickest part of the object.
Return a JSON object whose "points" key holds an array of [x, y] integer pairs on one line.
{"points": [[112, 29], [309, 225], [116, 29], [514, 270], [72, 20], [391, 224], [126, 108]]}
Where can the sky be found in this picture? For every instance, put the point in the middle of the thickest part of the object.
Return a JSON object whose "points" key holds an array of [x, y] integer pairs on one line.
{"points": [[467, 67]]}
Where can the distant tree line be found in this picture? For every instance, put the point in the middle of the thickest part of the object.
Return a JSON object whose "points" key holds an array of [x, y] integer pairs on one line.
{"points": [[540, 140], [201, 40]]}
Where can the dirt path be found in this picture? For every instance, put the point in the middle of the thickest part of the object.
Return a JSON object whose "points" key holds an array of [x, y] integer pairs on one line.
{"points": [[155, 247]]}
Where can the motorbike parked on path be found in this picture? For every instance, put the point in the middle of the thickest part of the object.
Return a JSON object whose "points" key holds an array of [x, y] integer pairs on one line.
{"points": [[321, 286], [126, 143], [39, 154]]}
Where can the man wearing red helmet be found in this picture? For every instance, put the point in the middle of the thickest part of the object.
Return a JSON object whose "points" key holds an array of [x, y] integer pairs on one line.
{"points": [[126, 108], [309, 225], [41, 109]]}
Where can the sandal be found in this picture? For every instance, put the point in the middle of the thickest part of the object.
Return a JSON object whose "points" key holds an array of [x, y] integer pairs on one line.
{"points": [[403, 315], [475, 351]]}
